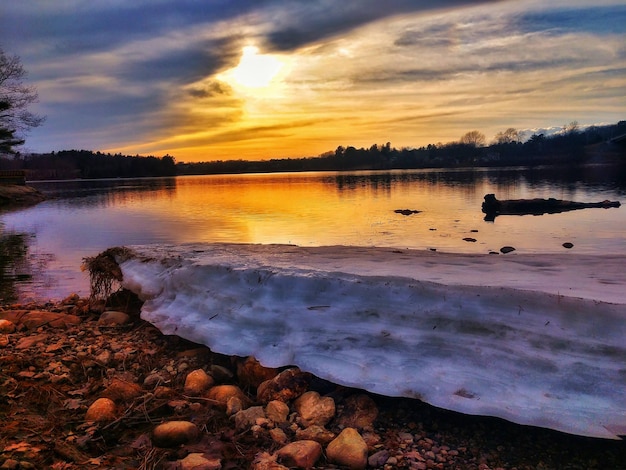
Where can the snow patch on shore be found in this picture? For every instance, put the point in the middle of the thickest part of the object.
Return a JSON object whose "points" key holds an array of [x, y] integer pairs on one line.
{"points": [[536, 339]]}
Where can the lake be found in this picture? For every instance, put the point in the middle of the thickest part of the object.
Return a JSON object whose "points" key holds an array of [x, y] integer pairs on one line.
{"points": [[42, 247]]}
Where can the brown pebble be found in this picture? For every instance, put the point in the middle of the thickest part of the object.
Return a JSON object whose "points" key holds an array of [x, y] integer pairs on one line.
{"points": [[101, 410], [197, 382], [300, 454], [7, 326], [174, 433], [348, 449]]}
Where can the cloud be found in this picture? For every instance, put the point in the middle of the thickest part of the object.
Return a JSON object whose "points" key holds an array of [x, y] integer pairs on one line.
{"points": [[118, 74], [598, 19], [308, 22]]}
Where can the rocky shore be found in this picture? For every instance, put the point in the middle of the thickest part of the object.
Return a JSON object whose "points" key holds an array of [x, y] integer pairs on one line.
{"points": [[83, 386]]}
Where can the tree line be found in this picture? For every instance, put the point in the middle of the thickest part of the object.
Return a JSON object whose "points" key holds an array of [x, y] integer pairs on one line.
{"points": [[71, 164], [572, 146]]}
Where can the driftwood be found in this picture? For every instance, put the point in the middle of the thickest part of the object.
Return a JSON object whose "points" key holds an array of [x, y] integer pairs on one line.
{"points": [[493, 207]]}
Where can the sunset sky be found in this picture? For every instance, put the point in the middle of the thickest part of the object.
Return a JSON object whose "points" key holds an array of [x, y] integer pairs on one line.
{"points": [[256, 79]]}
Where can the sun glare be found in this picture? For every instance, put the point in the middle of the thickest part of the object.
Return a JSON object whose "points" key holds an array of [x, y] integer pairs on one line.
{"points": [[254, 70]]}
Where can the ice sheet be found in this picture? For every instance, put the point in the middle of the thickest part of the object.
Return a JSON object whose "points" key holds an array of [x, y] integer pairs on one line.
{"points": [[535, 339]]}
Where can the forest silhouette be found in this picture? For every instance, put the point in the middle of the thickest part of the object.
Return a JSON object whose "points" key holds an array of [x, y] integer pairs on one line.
{"points": [[571, 146]]}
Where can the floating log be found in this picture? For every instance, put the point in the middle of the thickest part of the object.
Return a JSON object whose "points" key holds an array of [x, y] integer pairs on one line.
{"points": [[493, 207]]}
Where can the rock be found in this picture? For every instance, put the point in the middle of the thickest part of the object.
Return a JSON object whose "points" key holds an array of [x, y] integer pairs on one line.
{"points": [[251, 373], [469, 239], [278, 436], [300, 454], [220, 373], [277, 411], [10, 464], [197, 382], [162, 391], [568, 245], [378, 459], [314, 409], [30, 341], [348, 449], [197, 461], [222, 393], [7, 326], [113, 317], [155, 379], [4, 341], [315, 433], [121, 390], [101, 410], [358, 411], [36, 318], [104, 357], [286, 386], [265, 461], [406, 211], [506, 249], [174, 433], [234, 405], [247, 418]]}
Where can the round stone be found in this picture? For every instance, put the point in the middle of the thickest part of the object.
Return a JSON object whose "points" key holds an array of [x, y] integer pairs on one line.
{"points": [[174, 433], [197, 382], [101, 410]]}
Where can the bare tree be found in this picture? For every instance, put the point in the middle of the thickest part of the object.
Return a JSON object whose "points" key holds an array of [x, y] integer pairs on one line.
{"points": [[474, 138], [509, 136], [571, 128], [15, 97]]}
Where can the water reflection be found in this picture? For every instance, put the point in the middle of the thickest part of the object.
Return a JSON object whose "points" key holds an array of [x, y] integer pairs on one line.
{"points": [[507, 180], [318, 208], [106, 192], [14, 266]]}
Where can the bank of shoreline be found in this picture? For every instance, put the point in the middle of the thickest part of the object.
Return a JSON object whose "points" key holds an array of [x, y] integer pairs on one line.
{"points": [[53, 368], [13, 196]]}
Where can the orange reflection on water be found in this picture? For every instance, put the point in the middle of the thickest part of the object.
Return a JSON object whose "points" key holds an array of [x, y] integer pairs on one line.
{"points": [[320, 209]]}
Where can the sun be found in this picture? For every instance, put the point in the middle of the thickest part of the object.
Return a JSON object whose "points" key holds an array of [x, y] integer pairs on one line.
{"points": [[254, 70]]}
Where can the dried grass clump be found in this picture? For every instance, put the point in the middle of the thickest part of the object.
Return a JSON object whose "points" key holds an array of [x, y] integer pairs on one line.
{"points": [[105, 272]]}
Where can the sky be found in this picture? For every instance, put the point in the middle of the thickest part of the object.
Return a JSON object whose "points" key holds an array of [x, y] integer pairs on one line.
{"points": [[205, 80]]}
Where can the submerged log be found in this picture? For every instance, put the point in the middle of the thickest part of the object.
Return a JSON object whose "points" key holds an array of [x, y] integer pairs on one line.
{"points": [[493, 207]]}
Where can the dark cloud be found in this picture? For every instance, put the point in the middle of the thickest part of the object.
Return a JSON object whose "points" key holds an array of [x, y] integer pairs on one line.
{"points": [[438, 35], [94, 27], [189, 64], [597, 20], [305, 22], [212, 89]]}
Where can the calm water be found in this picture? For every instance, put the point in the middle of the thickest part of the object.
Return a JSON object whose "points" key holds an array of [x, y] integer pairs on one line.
{"points": [[43, 246]]}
